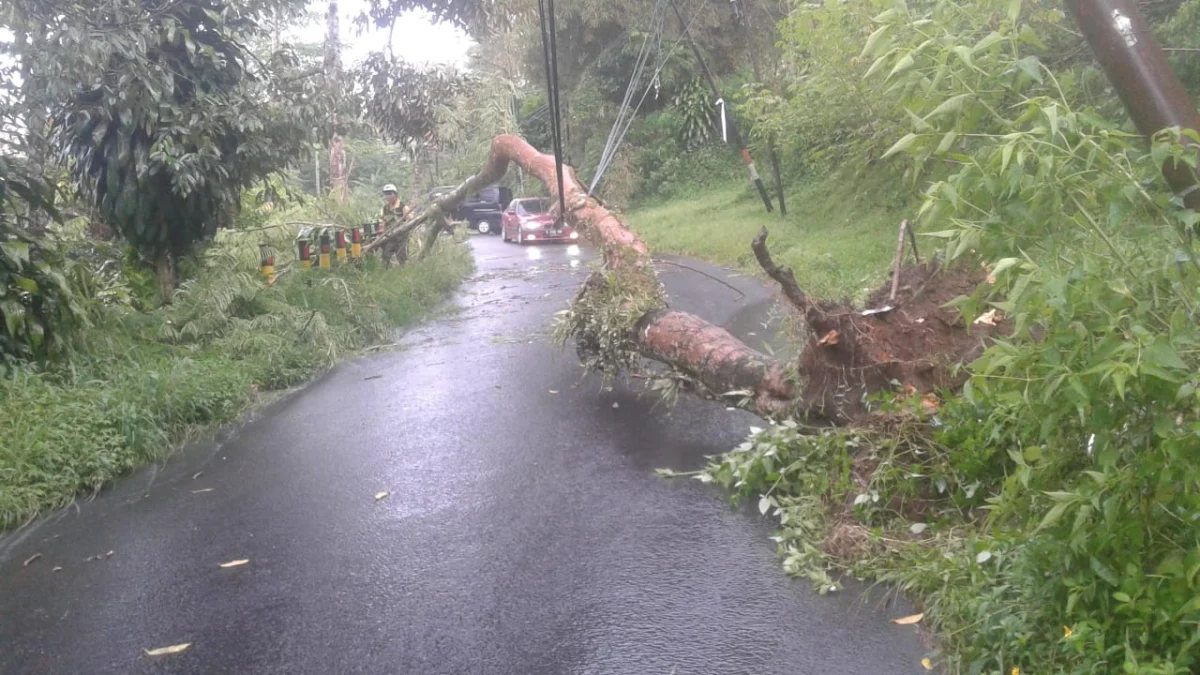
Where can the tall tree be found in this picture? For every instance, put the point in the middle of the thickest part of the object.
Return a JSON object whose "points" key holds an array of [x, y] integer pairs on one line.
{"points": [[339, 171], [176, 118]]}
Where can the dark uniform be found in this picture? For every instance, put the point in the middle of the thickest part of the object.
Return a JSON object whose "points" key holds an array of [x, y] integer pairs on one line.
{"points": [[397, 247]]}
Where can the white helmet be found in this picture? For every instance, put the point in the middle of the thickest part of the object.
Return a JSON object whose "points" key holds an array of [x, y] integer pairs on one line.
{"points": [[390, 188]]}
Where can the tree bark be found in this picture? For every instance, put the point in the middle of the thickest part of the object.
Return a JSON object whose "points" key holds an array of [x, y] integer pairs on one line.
{"points": [[33, 94], [339, 171], [849, 353], [164, 272], [339, 174]]}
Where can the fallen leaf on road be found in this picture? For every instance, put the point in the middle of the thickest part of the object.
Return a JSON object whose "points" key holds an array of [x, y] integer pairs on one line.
{"points": [[32, 558], [553, 391], [381, 495], [988, 318], [373, 377], [616, 405], [235, 563], [56, 569], [907, 620], [162, 651], [108, 555], [196, 492], [927, 663], [831, 338], [197, 475]]}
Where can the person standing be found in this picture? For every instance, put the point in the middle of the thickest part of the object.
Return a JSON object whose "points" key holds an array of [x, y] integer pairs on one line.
{"points": [[394, 214]]}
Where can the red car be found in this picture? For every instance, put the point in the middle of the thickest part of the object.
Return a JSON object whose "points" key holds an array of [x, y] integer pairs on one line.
{"points": [[529, 220]]}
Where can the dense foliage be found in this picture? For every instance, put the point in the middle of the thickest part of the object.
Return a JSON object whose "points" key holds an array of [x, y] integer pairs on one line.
{"points": [[175, 122], [1049, 518], [35, 299], [173, 125], [144, 378]]}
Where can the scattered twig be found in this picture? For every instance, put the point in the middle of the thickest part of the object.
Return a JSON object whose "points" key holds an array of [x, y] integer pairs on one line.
{"points": [[376, 348], [899, 260], [782, 275], [912, 239], [705, 274], [32, 559], [305, 328]]}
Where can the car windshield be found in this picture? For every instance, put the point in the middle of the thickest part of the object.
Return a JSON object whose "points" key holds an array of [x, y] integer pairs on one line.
{"points": [[532, 207]]}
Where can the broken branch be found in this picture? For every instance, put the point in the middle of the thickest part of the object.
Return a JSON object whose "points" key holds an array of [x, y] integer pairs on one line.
{"points": [[782, 275]]}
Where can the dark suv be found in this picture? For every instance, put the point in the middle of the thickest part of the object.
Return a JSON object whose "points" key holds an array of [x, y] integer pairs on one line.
{"points": [[483, 209]]}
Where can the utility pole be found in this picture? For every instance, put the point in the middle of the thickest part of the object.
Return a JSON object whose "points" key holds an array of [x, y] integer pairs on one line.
{"points": [[748, 27], [734, 136], [1137, 68]]}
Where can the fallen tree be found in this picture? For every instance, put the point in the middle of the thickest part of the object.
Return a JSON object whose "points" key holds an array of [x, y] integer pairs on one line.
{"points": [[910, 343]]}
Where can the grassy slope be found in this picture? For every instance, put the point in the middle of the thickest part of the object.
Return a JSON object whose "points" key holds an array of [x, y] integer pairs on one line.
{"points": [[839, 234], [140, 383]]}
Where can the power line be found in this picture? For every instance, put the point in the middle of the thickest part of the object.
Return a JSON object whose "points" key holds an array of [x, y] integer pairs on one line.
{"points": [[610, 152], [550, 55]]}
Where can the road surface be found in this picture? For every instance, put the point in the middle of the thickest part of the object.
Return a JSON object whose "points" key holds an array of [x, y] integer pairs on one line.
{"points": [[524, 531]]}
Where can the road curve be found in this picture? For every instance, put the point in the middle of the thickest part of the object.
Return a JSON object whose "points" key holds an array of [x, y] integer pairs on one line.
{"points": [[524, 531]]}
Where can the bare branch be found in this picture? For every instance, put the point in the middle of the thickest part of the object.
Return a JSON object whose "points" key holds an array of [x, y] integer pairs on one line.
{"points": [[782, 275]]}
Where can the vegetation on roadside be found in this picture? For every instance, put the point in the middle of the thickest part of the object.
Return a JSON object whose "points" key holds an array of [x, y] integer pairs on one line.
{"points": [[147, 154], [141, 378], [1047, 518]]}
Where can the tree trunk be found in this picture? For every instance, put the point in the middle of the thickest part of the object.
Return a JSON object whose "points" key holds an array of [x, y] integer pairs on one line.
{"points": [[622, 310], [316, 170], [339, 171], [33, 95], [333, 46], [164, 272], [339, 174], [414, 181]]}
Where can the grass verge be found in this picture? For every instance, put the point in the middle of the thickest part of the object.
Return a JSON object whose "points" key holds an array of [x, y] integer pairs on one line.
{"points": [[839, 234], [138, 383]]}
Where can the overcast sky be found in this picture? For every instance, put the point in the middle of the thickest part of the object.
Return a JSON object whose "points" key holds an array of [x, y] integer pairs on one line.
{"points": [[416, 39]]}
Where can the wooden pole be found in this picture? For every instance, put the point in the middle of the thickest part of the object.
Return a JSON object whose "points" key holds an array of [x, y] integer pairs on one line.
{"points": [[771, 154], [734, 136]]}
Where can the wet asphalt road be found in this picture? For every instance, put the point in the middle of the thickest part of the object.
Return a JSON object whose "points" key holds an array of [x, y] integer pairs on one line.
{"points": [[525, 531]]}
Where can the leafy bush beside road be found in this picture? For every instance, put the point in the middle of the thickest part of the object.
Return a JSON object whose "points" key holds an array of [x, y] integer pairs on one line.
{"points": [[136, 383]]}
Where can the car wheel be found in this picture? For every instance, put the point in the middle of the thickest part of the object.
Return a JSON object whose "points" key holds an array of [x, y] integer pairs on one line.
{"points": [[520, 236], [483, 227]]}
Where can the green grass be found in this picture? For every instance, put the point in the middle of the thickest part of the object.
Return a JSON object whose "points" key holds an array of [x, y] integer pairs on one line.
{"points": [[839, 235], [137, 384]]}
